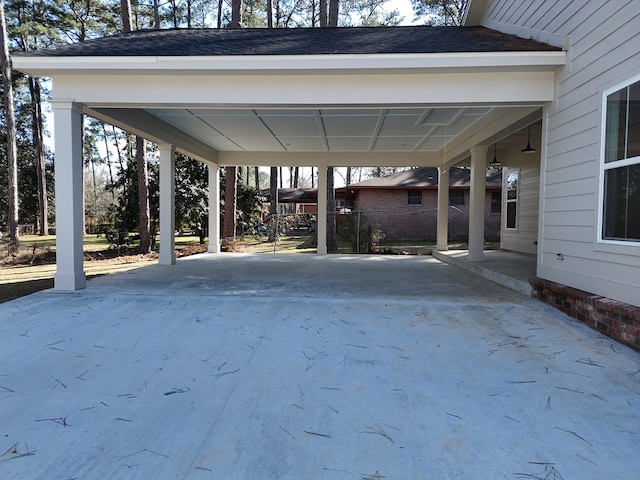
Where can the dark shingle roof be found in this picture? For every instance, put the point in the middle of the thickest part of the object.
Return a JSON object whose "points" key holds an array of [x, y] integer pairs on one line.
{"points": [[427, 177], [299, 41]]}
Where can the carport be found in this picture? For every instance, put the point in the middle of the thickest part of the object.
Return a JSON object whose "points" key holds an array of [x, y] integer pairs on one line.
{"points": [[406, 96]]}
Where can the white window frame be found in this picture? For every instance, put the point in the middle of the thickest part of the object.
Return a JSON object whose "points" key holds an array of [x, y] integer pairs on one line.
{"points": [[611, 165], [506, 200]]}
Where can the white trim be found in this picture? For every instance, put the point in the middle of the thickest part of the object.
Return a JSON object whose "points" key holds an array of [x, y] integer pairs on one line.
{"points": [[602, 243], [312, 64], [516, 200]]}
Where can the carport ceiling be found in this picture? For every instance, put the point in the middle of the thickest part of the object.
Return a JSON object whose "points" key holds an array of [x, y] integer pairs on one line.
{"points": [[323, 129]]}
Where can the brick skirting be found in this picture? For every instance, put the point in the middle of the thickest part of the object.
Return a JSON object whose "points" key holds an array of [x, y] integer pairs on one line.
{"points": [[618, 320]]}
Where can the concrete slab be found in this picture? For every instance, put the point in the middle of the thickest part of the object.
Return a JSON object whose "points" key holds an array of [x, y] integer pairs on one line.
{"points": [[289, 367], [509, 269]]}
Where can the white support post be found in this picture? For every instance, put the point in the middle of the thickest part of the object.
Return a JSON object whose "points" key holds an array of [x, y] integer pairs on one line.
{"points": [[442, 242], [167, 254], [69, 196], [214, 209], [322, 211], [476, 204]]}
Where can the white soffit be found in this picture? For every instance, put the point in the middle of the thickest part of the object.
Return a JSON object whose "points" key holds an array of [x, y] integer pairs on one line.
{"points": [[323, 129]]}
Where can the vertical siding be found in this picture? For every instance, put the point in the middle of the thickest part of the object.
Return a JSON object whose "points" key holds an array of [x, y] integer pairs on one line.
{"points": [[603, 39]]}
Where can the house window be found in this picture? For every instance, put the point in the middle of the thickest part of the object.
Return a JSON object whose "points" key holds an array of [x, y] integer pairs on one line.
{"points": [[456, 198], [414, 197], [621, 164], [496, 202], [512, 200]]}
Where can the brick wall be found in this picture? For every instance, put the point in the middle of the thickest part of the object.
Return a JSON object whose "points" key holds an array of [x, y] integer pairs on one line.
{"points": [[618, 320], [400, 221]]}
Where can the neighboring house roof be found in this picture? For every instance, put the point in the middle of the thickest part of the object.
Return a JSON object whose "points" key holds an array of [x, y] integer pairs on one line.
{"points": [[294, 195], [427, 177], [297, 41]]}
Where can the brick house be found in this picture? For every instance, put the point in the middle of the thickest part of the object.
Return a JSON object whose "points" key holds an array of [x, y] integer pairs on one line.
{"points": [[405, 204]]}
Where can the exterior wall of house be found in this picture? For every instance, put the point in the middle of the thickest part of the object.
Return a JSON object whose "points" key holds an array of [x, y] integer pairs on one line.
{"points": [[602, 40], [400, 221], [524, 238]]}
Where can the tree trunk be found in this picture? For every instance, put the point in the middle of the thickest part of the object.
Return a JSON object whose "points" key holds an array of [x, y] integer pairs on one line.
{"points": [[230, 201], [43, 202], [348, 179], [125, 8], [12, 157], [156, 14], [188, 13], [334, 8], [332, 242], [296, 177], [280, 175], [269, 13], [256, 172], [219, 20], [274, 202], [108, 154], [236, 14], [144, 220], [324, 18]]}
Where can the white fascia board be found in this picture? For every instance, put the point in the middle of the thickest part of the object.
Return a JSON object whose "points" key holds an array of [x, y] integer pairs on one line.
{"points": [[278, 64], [166, 91]]}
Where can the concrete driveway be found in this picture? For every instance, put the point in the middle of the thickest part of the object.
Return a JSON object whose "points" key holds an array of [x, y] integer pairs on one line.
{"points": [[304, 367]]}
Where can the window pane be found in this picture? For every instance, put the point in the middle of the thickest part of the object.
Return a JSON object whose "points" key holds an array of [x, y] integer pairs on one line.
{"points": [[616, 126], [633, 135], [496, 202], [414, 197], [622, 203], [456, 197], [512, 186], [511, 214]]}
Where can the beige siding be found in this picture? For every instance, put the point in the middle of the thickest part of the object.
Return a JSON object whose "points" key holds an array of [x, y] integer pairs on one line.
{"points": [[602, 38]]}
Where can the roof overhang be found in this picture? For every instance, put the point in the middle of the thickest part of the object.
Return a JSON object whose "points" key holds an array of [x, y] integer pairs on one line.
{"points": [[152, 95]]}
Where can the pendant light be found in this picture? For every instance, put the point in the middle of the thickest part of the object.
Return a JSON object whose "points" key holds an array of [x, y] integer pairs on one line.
{"points": [[528, 148], [494, 162]]}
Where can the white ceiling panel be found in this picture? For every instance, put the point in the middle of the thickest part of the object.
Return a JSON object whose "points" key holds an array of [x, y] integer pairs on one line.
{"points": [[349, 126], [348, 144], [396, 144], [192, 125], [404, 125], [346, 112], [273, 112], [292, 126], [222, 144], [258, 143], [441, 116], [237, 125], [432, 144], [303, 144]]}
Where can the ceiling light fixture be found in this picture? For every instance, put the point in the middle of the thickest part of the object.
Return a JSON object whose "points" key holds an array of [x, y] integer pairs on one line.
{"points": [[528, 148], [494, 162]]}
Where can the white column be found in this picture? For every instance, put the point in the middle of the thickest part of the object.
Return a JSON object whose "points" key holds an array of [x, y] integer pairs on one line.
{"points": [[167, 204], [214, 209], [69, 194], [322, 211], [476, 203], [442, 242]]}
